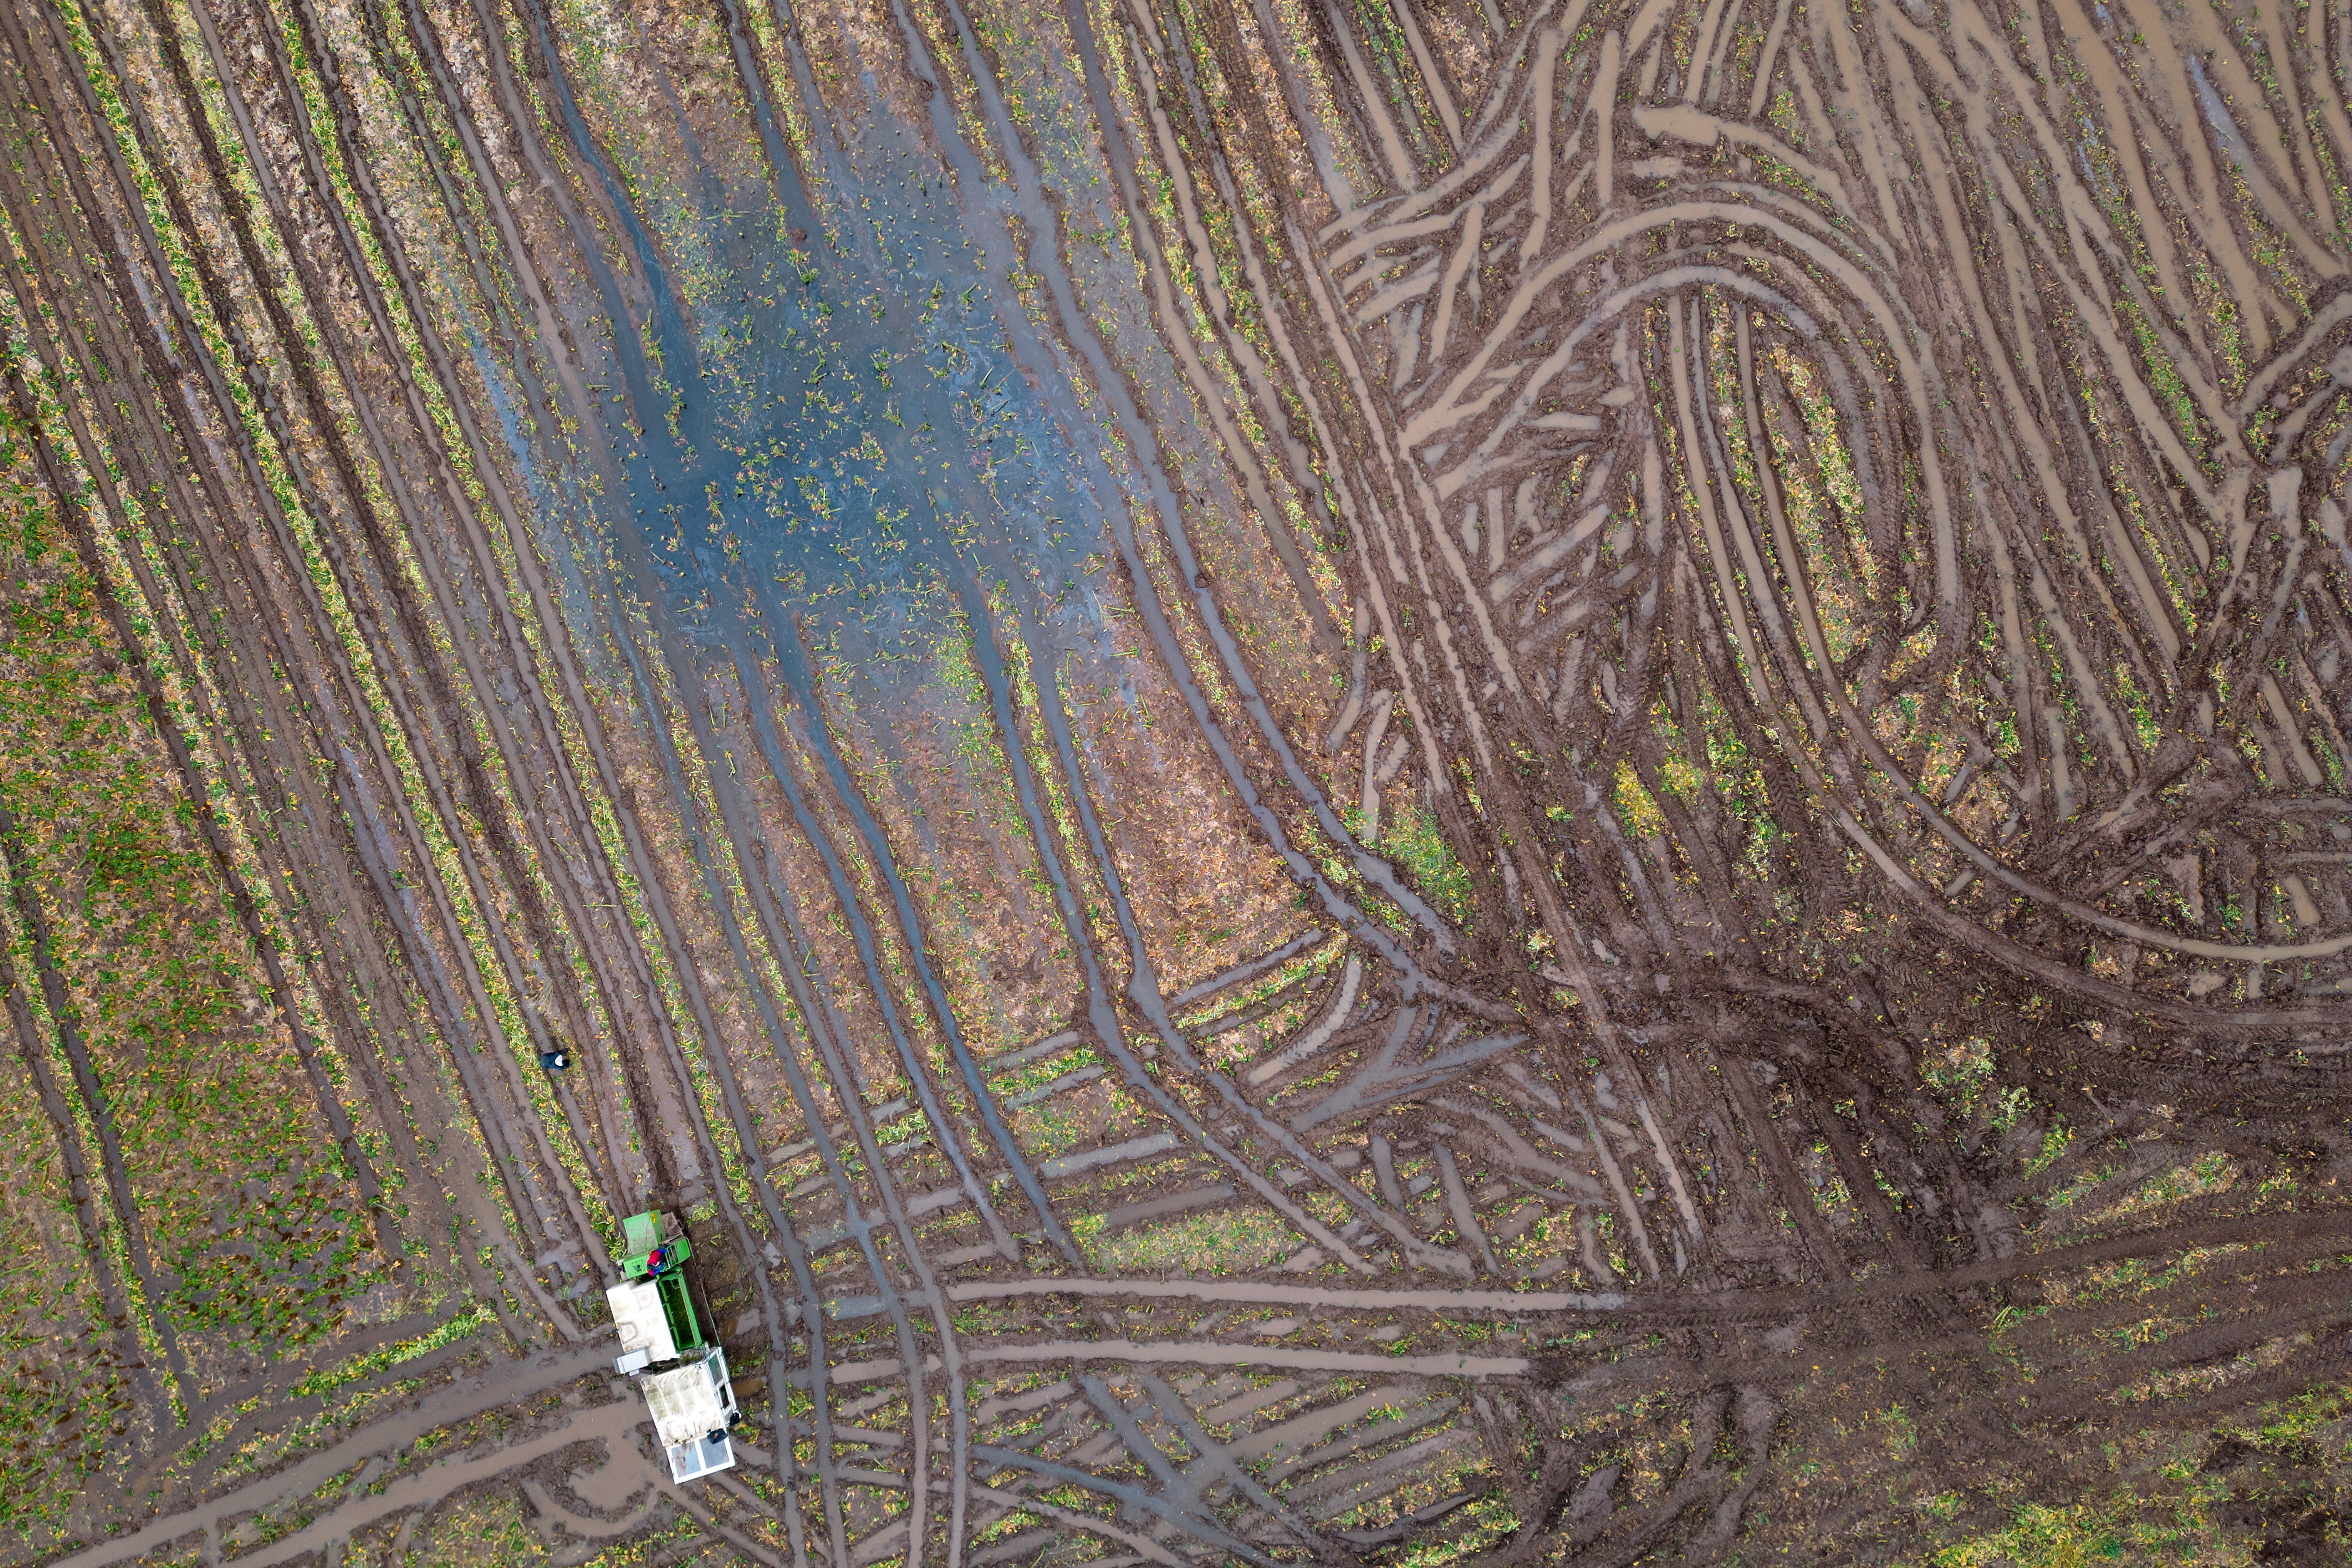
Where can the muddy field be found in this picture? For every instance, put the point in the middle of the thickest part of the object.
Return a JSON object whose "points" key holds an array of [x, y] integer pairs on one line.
{"points": [[1387, 781]]}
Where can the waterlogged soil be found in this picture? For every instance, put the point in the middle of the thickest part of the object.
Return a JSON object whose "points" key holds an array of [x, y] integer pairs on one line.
{"points": [[1402, 782]]}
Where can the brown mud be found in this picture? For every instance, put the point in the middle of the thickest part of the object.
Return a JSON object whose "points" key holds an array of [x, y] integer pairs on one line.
{"points": [[1401, 779]]}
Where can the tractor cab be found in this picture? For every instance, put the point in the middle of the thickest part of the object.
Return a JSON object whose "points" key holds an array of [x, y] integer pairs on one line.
{"points": [[668, 1353]]}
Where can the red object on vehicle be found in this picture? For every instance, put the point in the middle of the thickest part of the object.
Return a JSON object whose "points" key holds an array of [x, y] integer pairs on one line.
{"points": [[656, 1259]]}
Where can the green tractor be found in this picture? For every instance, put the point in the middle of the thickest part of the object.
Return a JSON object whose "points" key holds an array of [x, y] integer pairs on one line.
{"points": [[667, 1350]]}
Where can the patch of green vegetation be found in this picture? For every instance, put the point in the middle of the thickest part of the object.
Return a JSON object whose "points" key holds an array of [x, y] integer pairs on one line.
{"points": [[2171, 392], [2054, 1144], [1096, 1110], [1417, 844], [1960, 1071], [2042, 1538], [1639, 814], [1317, 960], [1223, 1241], [1036, 1074], [1480, 1524], [487, 1529], [327, 1380], [2273, 1486]]}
